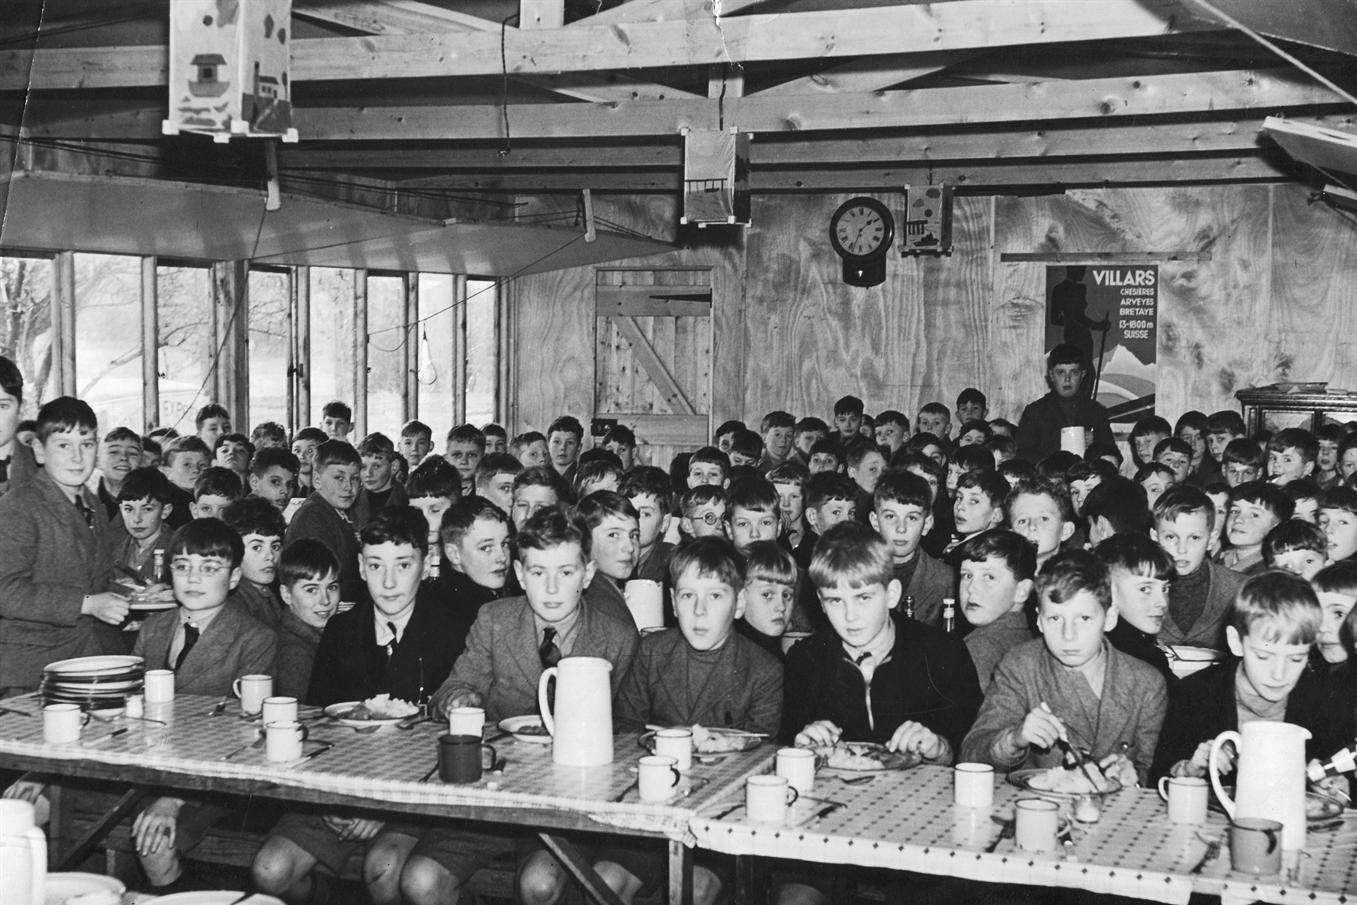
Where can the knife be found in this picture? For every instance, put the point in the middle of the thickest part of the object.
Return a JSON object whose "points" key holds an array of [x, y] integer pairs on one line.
{"points": [[1008, 826], [827, 810], [325, 746], [1212, 852]]}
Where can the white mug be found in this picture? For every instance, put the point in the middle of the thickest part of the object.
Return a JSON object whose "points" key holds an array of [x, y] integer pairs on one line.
{"points": [[279, 709], [158, 686], [1186, 796], [283, 741], [656, 777], [61, 723], [767, 797], [466, 720], [973, 785], [678, 744], [645, 600], [252, 690], [1036, 822], [797, 766], [136, 706]]}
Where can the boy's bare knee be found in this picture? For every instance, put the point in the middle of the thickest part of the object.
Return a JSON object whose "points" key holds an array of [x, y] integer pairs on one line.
{"points": [[278, 865], [619, 880], [423, 881], [541, 880], [383, 864]]}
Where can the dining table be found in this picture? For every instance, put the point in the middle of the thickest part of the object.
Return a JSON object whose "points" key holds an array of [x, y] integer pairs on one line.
{"points": [[205, 745], [906, 821]]}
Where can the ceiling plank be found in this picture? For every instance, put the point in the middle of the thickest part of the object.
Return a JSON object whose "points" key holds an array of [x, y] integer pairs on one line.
{"points": [[976, 176], [875, 73], [659, 10], [582, 47], [1108, 100]]}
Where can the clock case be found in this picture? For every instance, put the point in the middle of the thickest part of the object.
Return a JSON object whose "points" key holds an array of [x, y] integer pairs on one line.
{"points": [[863, 270]]}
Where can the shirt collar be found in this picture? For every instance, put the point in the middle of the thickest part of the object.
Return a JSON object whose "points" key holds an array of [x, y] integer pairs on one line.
{"points": [[380, 622], [200, 619], [879, 649]]}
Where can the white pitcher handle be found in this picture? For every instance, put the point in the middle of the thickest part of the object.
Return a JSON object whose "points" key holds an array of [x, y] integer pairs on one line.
{"points": [[37, 845], [1222, 796], [548, 718]]}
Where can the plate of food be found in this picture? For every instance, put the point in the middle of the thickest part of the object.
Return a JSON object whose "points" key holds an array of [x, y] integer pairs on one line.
{"points": [[95, 889], [382, 710], [709, 740], [528, 729], [1064, 782], [863, 757], [1321, 811]]}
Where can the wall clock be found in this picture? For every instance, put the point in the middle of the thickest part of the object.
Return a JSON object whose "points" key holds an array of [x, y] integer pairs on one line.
{"points": [[861, 231]]}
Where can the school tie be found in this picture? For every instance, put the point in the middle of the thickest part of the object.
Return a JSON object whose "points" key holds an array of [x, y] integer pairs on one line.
{"points": [[4, 471], [549, 653], [391, 645], [85, 511], [190, 639]]}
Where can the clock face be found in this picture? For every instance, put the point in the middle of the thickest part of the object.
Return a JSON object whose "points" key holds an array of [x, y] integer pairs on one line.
{"points": [[862, 228]]}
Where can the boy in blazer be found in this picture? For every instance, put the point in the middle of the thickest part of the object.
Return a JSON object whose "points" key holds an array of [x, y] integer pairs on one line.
{"points": [[511, 642], [401, 642], [56, 555], [209, 644], [325, 514]]}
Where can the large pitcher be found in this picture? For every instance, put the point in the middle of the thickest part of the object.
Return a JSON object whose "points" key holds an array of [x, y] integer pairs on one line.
{"points": [[23, 854], [581, 725], [1269, 776]]}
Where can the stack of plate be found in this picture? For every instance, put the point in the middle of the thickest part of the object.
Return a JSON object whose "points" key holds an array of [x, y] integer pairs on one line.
{"points": [[95, 683]]}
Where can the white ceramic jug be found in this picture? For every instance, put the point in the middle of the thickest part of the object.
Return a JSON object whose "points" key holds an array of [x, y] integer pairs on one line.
{"points": [[581, 725], [1269, 776], [23, 855]]}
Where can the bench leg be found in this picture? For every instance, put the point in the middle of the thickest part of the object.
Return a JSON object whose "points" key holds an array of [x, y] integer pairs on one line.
{"points": [[124, 806], [565, 852], [680, 874]]}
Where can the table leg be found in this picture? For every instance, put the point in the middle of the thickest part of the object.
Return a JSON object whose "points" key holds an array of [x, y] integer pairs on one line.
{"points": [[124, 806], [744, 879], [680, 874], [579, 867]]}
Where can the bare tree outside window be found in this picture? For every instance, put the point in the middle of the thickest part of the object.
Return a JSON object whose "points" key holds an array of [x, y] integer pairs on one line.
{"points": [[26, 327]]}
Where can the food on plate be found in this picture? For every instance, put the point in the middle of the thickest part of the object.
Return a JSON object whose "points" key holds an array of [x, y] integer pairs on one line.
{"points": [[382, 707], [531, 729], [1069, 781], [99, 897], [850, 756], [714, 741], [1318, 807]]}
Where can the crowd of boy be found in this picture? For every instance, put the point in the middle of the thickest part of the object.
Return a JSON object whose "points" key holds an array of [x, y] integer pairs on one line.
{"points": [[973, 594]]}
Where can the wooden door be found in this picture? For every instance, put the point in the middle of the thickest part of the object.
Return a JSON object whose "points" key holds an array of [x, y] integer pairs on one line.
{"points": [[652, 370]]}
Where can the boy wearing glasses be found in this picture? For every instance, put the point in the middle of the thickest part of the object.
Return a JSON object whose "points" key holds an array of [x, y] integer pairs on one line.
{"points": [[207, 644]]}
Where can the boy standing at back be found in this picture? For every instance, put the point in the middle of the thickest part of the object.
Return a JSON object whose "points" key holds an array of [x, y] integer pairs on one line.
{"points": [[325, 514], [701, 673], [1071, 685], [208, 644], [212, 422], [511, 643], [56, 556], [902, 515], [1201, 592], [336, 420]]}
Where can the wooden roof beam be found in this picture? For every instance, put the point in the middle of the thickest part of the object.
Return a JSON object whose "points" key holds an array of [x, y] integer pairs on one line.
{"points": [[875, 73], [584, 47]]}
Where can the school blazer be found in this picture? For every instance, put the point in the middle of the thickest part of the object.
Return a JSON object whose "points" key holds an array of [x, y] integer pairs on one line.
{"points": [[1209, 629], [502, 665], [234, 644], [49, 560], [933, 580], [604, 596], [1130, 711]]}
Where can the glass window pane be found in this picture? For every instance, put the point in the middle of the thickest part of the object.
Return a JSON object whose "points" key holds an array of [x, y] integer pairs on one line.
{"points": [[26, 328], [108, 338], [482, 351], [186, 350], [386, 354], [270, 343], [437, 316], [331, 338]]}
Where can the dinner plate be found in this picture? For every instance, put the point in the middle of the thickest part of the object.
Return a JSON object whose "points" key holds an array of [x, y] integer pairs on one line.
{"points": [[151, 606], [742, 740], [889, 760], [1320, 810], [64, 885], [1191, 654], [213, 897], [336, 711], [1023, 780], [107, 664], [528, 729]]}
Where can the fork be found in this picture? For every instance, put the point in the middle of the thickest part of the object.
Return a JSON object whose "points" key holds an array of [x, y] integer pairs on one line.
{"points": [[1212, 852]]}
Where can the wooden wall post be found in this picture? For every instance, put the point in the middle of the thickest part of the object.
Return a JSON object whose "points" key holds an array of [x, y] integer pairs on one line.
{"points": [[459, 349], [360, 355], [231, 334], [150, 344], [300, 374], [410, 351], [503, 357], [63, 322]]}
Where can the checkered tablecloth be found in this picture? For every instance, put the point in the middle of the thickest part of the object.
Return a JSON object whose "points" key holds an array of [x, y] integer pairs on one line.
{"points": [[906, 821], [386, 767]]}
